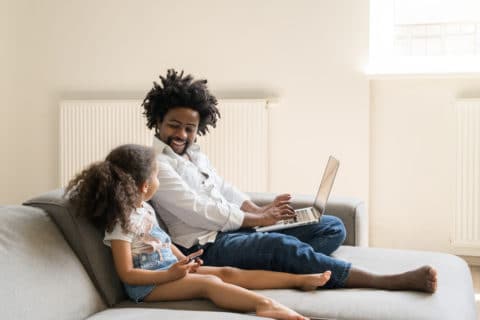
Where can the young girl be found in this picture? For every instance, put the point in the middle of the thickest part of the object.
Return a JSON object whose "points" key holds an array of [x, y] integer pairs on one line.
{"points": [[112, 195]]}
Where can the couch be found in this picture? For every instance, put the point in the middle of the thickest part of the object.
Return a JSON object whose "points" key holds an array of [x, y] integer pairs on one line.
{"points": [[54, 266]]}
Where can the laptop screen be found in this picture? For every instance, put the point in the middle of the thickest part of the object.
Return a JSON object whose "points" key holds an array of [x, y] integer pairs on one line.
{"points": [[326, 184]]}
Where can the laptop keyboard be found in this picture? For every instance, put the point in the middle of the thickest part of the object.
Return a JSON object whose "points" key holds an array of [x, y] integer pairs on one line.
{"points": [[301, 215]]}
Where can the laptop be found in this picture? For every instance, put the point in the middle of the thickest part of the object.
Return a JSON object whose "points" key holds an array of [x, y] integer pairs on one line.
{"points": [[312, 214]]}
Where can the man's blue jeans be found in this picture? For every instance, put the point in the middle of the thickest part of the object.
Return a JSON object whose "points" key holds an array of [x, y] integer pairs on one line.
{"points": [[298, 250]]}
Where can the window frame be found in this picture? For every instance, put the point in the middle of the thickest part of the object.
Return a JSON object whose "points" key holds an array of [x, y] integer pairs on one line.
{"points": [[384, 63]]}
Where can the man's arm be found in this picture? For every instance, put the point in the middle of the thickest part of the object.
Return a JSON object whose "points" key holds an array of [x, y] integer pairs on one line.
{"points": [[204, 212], [282, 200], [267, 218], [254, 215], [249, 206]]}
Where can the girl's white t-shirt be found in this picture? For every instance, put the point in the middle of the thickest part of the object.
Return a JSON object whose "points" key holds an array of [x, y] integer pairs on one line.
{"points": [[145, 237]]}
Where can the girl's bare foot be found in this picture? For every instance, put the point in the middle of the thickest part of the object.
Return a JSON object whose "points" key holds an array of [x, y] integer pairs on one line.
{"points": [[309, 282], [271, 309]]}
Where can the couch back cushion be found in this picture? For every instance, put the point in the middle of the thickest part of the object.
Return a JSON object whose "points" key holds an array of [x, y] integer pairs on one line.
{"points": [[86, 241], [42, 277]]}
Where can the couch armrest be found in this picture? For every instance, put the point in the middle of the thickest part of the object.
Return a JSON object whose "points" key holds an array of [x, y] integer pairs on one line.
{"points": [[350, 210]]}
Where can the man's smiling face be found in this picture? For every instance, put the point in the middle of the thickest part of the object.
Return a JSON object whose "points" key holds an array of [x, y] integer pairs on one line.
{"points": [[179, 128]]}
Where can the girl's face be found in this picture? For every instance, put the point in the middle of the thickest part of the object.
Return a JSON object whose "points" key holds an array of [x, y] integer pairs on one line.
{"points": [[153, 184]]}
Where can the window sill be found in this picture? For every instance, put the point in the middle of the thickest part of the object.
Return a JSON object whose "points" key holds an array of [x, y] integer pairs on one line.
{"points": [[424, 67]]}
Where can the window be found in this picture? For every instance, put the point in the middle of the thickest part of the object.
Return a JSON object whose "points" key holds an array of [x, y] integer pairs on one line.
{"points": [[424, 36]]}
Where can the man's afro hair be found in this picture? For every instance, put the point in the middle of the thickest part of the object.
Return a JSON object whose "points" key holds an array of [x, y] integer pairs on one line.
{"points": [[177, 90]]}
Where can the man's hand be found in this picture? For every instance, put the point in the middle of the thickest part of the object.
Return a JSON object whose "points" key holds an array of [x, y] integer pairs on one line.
{"points": [[276, 212], [279, 209], [280, 201]]}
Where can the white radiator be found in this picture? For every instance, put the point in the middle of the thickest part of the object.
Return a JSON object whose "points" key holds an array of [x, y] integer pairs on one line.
{"points": [[466, 238], [89, 129], [238, 147]]}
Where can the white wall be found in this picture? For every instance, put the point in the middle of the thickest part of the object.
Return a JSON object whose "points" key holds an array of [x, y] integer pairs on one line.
{"points": [[7, 109], [412, 192], [309, 54]]}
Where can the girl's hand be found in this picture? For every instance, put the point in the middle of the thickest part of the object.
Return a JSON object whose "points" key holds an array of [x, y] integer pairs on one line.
{"points": [[197, 263], [180, 269], [195, 257], [188, 264]]}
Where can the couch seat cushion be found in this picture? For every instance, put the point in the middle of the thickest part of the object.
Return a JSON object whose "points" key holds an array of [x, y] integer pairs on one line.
{"points": [[149, 313], [453, 300]]}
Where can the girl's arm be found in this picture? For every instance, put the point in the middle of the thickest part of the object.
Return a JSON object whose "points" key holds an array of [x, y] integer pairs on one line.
{"points": [[122, 256], [181, 257]]}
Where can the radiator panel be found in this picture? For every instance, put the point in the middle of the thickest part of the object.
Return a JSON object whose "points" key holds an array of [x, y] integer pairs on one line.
{"points": [[467, 209], [238, 147], [90, 129]]}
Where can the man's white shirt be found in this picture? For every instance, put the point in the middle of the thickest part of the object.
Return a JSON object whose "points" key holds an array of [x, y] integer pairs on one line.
{"points": [[196, 203]]}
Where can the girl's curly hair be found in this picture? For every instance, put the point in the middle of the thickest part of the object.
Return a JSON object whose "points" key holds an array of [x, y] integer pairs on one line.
{"points": [[108, 191], [177, 90]]}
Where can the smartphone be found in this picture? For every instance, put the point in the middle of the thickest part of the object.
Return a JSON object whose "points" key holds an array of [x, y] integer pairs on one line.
{"points": [[194, 257]]}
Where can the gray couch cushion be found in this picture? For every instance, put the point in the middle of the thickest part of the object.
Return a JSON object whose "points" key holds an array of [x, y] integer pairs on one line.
{"points": [[86, 241], [41, 276], [453, 300], [140, 313]]}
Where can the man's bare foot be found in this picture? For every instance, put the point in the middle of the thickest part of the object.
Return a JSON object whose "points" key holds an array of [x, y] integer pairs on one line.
{"points": [[271, 309], [309, 282], [421, 279]]}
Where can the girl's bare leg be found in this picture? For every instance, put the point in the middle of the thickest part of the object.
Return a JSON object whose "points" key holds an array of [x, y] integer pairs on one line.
{"points": [[224, 295], [259, 279]]}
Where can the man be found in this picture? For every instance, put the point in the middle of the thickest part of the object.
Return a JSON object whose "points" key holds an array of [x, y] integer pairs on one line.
{"points": [[202, 211]]}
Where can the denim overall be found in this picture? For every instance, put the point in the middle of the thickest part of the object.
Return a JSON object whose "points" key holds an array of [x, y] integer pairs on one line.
{"points": [[161, 259]]}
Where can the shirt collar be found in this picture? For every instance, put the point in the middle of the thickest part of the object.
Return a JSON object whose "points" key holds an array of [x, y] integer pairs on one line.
{"points": [[161, 147]]}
